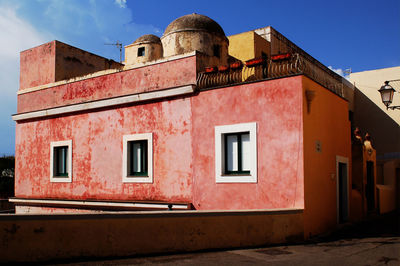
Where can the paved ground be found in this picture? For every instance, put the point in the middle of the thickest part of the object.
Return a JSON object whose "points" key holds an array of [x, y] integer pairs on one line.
{"points": [[373, 242]]}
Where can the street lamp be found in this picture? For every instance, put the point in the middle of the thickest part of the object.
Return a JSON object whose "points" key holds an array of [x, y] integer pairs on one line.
{"points": [[387, 92]]}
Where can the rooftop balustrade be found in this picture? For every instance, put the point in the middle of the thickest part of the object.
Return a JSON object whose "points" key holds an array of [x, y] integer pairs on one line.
{"points": [[278, 66]]}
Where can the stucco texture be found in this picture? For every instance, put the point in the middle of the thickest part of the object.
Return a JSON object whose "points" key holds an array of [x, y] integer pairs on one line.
{"points": [[184, 157], [279, 144], [326, 121], [97, 142], [149, 78]]}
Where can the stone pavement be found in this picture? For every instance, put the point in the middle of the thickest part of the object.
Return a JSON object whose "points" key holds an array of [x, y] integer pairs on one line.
{"points": [[372, 242]]}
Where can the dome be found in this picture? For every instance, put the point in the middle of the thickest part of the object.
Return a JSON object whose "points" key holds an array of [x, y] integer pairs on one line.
{"points": [[148, 38], [194, 22]]}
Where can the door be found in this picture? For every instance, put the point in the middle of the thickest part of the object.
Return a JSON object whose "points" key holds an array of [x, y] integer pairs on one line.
{"points": [[398, 187], [370, 189], [342, 189]]}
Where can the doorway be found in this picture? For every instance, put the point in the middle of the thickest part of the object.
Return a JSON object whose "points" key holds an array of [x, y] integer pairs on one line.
{"points": [[370, 189], [398, 188], [342, 188]]}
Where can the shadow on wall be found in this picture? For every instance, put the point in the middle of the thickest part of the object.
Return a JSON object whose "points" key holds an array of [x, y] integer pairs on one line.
{"points": [[370, 118]]}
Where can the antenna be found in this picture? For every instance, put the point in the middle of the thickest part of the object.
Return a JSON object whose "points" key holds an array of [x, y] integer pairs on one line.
{"points": [[347, 71], [119, 45]]}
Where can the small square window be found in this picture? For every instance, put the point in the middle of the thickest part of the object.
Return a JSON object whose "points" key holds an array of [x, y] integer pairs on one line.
{"points": [[138, 158], [217, 50], [61, 161], [141, 51], [236, 153]]}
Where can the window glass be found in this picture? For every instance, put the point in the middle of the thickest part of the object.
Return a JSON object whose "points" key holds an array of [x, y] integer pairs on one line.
{"points": [[61, 160], [231, 153], [137, 157], [246, 152], [137, 151], [237, 153], [217, 50], [141, 51]]}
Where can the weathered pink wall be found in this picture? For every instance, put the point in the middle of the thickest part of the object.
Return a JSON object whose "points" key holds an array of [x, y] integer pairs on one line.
{"points": [[55, 61], [150, 78], [276, 106], [97, 153], [37, 65], [184, 161]]}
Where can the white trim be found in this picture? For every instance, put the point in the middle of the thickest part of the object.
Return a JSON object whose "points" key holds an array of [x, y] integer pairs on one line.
{"points": [[103, 203], [134, 179], [344, 160], [106, 103], [220, 177], [67, 179]]}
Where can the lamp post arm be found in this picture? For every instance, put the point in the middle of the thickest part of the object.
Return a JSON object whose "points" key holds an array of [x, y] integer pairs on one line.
{"points": [[394, 107]]}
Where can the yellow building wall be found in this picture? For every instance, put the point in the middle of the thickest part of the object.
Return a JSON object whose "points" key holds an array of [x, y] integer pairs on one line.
{"points": [[326, 123], [248, 45], [369, 82], [241, 46]]}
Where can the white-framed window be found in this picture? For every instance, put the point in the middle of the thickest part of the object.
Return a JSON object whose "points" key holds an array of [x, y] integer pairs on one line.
{"points": [[61, 161], [236, 153], [137, 166]]}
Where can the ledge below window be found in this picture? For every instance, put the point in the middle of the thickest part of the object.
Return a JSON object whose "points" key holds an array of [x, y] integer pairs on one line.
{"points": [[102, 205]]}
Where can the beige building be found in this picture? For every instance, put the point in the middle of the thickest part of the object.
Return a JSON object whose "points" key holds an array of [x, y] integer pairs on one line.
{"points": [[371, 116]]}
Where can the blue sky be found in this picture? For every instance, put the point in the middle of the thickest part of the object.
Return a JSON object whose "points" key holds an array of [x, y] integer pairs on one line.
{"points": [[361, 35]]}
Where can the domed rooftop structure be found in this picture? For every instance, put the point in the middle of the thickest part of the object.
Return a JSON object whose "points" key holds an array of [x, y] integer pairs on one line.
{"points": [[194, 22], [148, 38], [146, 48], [196, 32]]}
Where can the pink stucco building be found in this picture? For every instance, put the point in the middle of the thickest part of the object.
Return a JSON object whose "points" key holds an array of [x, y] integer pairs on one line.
{"points": [[184, 125]]}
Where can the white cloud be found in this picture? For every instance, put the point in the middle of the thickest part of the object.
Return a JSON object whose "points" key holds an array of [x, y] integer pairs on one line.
{"points": [[121, 3], [86, 24], [340, 72], [16, 36], [89, 24]]}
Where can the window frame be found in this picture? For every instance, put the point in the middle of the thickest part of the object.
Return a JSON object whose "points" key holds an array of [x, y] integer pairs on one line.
{"points": [[140, 178], [53, 162], [223, 176]]}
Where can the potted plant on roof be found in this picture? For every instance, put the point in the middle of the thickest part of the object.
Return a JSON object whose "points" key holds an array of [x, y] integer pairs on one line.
{"points": [[211, 69], [223, 69], [280, 57], [255, 62], [236, 65]]}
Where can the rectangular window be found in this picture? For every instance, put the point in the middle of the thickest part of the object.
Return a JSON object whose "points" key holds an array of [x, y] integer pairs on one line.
{"points": [[141, 51], [217, 50], [137, 158], [236, 153], [61, 161]]}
